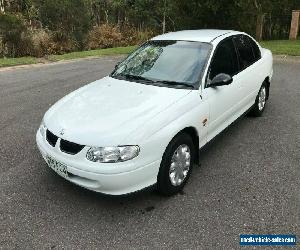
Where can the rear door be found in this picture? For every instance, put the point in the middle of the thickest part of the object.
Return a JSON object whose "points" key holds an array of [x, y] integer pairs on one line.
{"points": [[250, 73]]}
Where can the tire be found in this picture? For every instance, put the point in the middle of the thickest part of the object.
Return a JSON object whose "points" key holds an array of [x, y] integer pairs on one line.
{"points": [[174, 170], [260, 101]]}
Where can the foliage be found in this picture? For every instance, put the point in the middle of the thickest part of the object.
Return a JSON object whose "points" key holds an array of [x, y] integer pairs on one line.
{"points": [[74, 55], [4, 62], [12, 33], [104, 36], [40, 27], [93, 53], [108, 36], [62, 42], [41, 42], [283, 47], [68, 18]]}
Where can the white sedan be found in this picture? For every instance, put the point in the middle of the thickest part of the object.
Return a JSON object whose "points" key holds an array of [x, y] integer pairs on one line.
{"points": [[143, 125]]}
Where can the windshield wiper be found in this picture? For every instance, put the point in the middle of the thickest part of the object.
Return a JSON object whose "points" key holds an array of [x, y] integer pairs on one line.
{"points": [[173, 83], [135, 77], [144, 79]]}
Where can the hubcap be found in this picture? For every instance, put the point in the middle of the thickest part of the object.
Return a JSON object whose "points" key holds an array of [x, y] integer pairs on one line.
{"points": [[180, 165], [262, 98]]}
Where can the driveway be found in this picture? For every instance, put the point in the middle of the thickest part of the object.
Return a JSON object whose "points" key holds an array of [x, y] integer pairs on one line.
{"points": [[248, 180]]}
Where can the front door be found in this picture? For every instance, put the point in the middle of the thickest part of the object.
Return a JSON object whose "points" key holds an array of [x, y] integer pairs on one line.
{"points": [[223, 100]]}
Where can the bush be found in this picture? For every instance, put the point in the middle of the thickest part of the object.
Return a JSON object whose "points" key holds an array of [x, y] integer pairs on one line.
{"points": [[70, 21], [18, 41], [129, 35], [132, 36], [108, 36], [45, 42], [18, 38], [41, 43], [104, 36], [144, 36], [61, 43], [13, 33]]}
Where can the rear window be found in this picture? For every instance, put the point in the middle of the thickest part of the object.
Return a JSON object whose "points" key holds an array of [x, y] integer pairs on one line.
{"points": [[245, 51], [255, 48]]}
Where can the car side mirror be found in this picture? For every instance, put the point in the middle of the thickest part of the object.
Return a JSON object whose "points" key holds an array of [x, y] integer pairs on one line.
{"points": [[221, 80]]}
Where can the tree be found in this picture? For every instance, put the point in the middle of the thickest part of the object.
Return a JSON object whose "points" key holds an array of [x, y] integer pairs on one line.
{"points": [[11, 31], [68, 17], [69, 22]]}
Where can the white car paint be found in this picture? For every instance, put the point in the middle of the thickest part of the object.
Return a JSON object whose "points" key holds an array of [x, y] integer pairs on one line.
{"points": [[117, 108], [111, 112]]}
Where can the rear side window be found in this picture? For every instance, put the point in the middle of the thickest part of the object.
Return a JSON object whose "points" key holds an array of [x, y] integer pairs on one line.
{"points": [[255, 48], [244, 48], [224, 60]]}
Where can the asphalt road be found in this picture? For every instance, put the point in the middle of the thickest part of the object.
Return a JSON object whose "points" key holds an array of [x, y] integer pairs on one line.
{"points": [[248, 180]]}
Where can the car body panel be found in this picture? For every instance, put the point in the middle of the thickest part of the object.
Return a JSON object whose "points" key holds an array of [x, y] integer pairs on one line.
{"points": [[113, 179], [104, 112], [204, 35]]}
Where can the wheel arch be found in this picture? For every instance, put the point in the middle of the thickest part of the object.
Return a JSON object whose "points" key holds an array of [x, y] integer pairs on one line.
{"points": [[267, 81], [193, 133]]}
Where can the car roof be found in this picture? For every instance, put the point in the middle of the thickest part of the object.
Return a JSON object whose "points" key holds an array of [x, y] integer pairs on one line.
{"points": [[203, 35]]}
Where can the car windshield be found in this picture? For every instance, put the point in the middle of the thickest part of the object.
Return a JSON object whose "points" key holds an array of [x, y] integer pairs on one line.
{"points": [[179, 63]]}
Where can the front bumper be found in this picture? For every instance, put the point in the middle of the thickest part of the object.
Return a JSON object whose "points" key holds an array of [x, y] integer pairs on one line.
{"points": [[108, 178]]}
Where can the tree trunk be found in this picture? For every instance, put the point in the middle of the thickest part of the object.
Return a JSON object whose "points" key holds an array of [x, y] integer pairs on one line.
{"points": [[294, 25], [164, 18], [106, 15], [259, 26], [2, 10], [173, 23]]}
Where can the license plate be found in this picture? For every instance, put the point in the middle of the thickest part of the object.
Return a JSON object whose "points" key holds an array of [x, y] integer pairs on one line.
{"points": [[58, 167]]}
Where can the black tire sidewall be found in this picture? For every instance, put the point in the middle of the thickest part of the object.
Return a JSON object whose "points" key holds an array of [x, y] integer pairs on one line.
{"points": [[255, 111], [163, 181]]}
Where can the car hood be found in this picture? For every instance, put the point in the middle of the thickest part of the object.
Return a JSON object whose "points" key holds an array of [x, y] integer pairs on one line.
{"points": [[104, 112]]}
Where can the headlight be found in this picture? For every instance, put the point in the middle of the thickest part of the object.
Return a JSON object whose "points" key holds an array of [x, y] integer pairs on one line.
{"points": [[112, 154], [43, 129]]}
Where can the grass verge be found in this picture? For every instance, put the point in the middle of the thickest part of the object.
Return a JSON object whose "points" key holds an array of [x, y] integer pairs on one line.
{"points": [[283, 47], [5, 62], [93, 53]]}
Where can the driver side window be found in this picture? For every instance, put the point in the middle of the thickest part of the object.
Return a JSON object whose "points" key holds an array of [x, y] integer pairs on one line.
{"points": [[224, 60]]}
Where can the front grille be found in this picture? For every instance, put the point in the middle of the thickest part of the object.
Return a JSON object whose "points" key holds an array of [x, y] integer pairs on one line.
{"points": [[70, 147], [51, 138]]}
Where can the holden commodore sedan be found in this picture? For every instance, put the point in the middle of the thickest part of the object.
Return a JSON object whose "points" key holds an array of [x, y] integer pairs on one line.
{"points": [[143, 125]]}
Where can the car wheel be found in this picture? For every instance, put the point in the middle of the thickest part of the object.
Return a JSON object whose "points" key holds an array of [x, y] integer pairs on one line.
{"points": [[176, 165], [260, 102]]}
